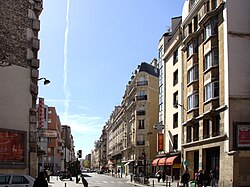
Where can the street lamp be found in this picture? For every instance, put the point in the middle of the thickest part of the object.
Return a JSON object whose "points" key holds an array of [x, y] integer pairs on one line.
{"points": [[46, 81], [177, 104]]}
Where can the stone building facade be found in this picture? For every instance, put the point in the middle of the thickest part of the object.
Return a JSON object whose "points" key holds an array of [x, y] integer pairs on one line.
{"points": [[217, 123], [19, 46]]}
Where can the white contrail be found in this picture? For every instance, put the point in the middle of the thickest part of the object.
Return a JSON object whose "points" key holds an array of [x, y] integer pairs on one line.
{"points": [[65, 73]]}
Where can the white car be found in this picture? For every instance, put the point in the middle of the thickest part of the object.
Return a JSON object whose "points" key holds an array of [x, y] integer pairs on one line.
{"points": [[16, 180]]}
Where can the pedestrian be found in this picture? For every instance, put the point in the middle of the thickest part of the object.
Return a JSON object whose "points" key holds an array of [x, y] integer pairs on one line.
{"points": [[163, 175], [84, 182], [206, 181], [40, 180], [185, 178], [212, 178], [200, 178], [158, 175], [118, 172]]}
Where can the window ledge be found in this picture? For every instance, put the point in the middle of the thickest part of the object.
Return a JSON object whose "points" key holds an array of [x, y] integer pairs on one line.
{"points": [[211, 99], [211, 67], [192, 82], [192, 109]]}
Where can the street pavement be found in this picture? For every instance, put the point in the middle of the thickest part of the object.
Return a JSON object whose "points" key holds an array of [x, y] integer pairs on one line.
{"points": [[103, 180]]}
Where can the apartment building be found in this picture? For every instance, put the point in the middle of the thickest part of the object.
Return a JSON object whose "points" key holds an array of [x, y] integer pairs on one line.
{"points": [[116, 132], [55, 150], [43, 133], [131, 135], [68, 152], [19, 63], [170, 97], [216, 89]]}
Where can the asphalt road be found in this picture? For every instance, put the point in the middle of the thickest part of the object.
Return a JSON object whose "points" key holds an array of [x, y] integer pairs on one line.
{"points": [[94, 180]]}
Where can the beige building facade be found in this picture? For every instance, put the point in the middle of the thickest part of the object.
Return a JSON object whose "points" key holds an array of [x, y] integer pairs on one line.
{"points": [[216, 89], [171, 94], [130, 133]]}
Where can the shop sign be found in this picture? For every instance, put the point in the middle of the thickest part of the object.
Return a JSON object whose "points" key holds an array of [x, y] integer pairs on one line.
{"points": [[49, 133], [242, 135], [160, 142]]}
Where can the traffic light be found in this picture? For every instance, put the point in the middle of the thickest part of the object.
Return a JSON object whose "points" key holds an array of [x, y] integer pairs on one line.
{"points": [[79, 154]]}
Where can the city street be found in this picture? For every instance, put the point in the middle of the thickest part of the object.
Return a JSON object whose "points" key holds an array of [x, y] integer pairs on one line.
{"points": [[102, 180], [94, 180]]}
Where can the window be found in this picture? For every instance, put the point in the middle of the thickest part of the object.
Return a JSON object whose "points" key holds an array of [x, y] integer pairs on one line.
{"points": [[211, 59], [193, 101], [195, 23], [206, 132], [49, 149], [216, 126], [19, 180], [175, 98], [214, 4], [141, 124], [196, 132], [192, 74], [175, 77], [175, 143], [175, 120], [49, 120], [175, 57], [211, 90], [208, 31], [5, 179], [211, 28], [190, 28], [190, 50], [189, 134]]}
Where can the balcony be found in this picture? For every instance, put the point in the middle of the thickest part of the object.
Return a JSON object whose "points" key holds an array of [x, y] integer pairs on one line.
{"points": [[142, 83], [141, 97], [140, 112], [35, 44], [38, 6], [140, 143], [36, 24]]}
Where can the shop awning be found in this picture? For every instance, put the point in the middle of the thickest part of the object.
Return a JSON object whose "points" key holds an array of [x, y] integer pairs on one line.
{"points": [[162, 161], [170, 160], [155, 162]]}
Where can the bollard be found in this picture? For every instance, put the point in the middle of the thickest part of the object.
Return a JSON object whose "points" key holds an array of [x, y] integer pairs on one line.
{"points": [[65, 184], [153, 183], [178, 184], [169, 184]]}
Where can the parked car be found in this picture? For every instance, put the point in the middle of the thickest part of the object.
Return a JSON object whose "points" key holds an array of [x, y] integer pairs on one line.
{"points": [[12, 180]]}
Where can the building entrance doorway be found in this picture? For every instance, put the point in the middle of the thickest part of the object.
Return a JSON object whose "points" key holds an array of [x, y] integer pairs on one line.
{"points": [[213, 160]]}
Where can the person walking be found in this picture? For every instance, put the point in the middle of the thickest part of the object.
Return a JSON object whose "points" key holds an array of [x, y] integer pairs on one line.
{"points": [[84, 182], [212, 178], [40, 180], [200, 178], [159, 175], [185, 178], [163, 175]]}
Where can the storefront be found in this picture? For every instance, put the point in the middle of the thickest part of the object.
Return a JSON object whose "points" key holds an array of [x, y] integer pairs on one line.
{"points": [[171, 165]]}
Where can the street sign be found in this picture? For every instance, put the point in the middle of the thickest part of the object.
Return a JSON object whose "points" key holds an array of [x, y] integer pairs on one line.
{"points": [[185, 163]]}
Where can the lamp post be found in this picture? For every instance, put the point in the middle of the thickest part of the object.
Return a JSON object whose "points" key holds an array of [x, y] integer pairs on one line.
{"points": [[46, 81]]}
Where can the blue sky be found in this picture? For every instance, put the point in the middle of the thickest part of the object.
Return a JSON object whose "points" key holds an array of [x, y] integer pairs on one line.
{"points": [[88, 50]]}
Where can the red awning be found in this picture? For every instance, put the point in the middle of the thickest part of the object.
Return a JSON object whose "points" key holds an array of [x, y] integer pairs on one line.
{"points": [[170, 160], [162, 161], [155, 162]]}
